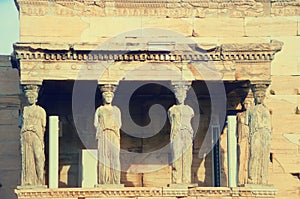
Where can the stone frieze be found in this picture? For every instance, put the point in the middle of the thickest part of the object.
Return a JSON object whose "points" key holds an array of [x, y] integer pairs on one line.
{"points": [[160, 8]]}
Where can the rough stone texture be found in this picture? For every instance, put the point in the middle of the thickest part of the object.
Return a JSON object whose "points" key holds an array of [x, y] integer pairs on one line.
{"points": [[285, 8], [285, 153], [214, 27], [97, 27], [10, 159], [204, 8], [285, 85], [182, 26], [288, 58], [270, 26], [72, 28]]}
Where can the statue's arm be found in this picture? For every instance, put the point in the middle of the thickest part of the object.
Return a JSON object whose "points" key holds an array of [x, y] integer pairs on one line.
{"points": [[247, 117], [119, 118], [96, 119], [171, 116], [44, 119], [248, 122], [96, 123]]}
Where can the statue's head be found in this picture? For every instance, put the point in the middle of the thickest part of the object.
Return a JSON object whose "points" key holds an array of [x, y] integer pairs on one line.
{"points": [[180, 90], [31, 92], [247, 103], [259, 97], [107, 97], [31, 97], [259, 92], [107, 93]]}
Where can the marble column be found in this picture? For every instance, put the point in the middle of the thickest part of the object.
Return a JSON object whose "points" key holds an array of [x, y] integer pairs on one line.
{"points": [[53, 151], [232, 151]]}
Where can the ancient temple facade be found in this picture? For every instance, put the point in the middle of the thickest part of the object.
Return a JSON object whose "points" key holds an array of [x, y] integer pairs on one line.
{"points": [[221, 55]]}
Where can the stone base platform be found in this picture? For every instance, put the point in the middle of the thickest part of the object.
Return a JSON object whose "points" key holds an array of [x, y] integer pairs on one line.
{"points": [[148, 192]]}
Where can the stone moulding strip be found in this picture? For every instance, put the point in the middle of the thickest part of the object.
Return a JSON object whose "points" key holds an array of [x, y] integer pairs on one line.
{"points": [[167, 192], [254, 192], [209, 192], [226, 52], [92, 192]]}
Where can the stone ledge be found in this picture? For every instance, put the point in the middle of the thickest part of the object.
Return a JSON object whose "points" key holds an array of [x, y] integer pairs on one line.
{"points": [[144, 51], [145, 192]]}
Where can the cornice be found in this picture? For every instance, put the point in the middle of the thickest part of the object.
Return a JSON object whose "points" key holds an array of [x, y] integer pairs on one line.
{"points": [[88, 52], [251, 51]]}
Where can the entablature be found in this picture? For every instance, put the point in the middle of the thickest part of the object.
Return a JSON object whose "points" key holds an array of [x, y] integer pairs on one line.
{"points": [[61, 61], [147, 51]]}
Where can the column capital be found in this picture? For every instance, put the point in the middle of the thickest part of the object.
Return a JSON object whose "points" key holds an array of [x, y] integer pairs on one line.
{"points": [[259, 88], [260, 82], [31, 88], [32, 82], [107, 88], [179, 86]]}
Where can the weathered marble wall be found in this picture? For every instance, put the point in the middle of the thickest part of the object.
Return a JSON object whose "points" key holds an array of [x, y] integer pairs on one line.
{"points": [[10, 157]]}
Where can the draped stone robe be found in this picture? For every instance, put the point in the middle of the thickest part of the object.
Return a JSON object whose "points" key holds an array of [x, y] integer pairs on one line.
{"points": [[259, 121], [33, 123], [181, 142], [108, 123], [243, 147]]}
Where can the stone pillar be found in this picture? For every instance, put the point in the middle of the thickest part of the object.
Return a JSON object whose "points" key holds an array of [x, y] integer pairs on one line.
{"points": [[53, 151], [243, 139], [216, 155], [232, 151], [107, 122], [181, 135], [89, 163], [260, 134], [33, 123]]}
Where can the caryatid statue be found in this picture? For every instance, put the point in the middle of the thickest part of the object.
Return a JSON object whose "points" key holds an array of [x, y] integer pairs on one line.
{"points": [[181, 136], [108, 123], [259, 122], [243, 141], [33, 122]]}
